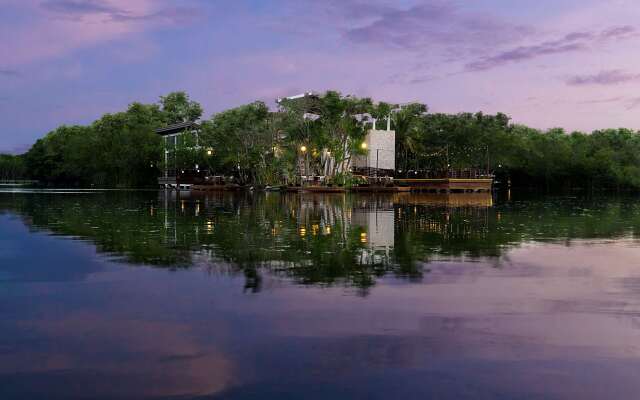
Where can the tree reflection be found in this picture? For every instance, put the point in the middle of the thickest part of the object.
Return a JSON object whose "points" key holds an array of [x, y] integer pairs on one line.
{"points": [[331, 239]]}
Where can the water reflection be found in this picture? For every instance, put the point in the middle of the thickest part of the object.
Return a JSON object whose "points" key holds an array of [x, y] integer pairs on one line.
{"points": [[316, 239], [467, 297], [313, 239]]}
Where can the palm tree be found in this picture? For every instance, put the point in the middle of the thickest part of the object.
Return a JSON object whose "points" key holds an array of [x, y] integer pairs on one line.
{"points": [[406, 124]]}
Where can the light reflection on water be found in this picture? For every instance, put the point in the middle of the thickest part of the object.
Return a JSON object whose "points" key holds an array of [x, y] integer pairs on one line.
{"points": [[264, 296]]}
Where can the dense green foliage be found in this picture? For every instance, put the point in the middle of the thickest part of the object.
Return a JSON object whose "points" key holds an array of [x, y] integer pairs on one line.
{"points": [[318, 135], [243, 140], [12, 167], [177, 107], [310, 136], [118, 150]]}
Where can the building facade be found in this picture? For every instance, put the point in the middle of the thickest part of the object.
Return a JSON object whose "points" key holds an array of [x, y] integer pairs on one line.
{"points": [[175, 137]]}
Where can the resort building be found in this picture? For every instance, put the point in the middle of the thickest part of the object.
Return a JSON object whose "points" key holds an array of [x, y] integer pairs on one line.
{"points": [[380, 146], [174, 136]]}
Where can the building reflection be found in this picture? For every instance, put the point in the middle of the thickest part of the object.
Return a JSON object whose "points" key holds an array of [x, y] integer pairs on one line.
{"points": [[375, 216], [323, 238], [314, 239], [459, 216]]}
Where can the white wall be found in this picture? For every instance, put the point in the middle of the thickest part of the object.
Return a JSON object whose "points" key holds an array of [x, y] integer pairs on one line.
{"points": [[379, 225], [381, 145]]}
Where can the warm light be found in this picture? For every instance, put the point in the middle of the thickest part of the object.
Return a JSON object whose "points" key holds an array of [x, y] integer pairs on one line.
{"points": [[363, 145], [303, 232], [209, 152], [363, 237], [303, 148]]}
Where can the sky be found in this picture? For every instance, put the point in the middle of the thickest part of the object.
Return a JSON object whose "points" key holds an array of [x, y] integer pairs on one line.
{"points": [[546, 63]]}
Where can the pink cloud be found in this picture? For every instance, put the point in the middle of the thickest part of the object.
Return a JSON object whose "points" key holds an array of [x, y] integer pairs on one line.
{"points": [[58, 27], [607, 77]]}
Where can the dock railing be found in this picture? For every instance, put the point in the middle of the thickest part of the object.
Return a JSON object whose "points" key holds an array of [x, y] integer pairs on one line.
{"points": [[466, 173]]}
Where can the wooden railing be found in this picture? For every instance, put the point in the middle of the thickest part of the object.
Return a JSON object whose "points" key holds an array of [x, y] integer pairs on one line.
{"points": [[443, 174]]}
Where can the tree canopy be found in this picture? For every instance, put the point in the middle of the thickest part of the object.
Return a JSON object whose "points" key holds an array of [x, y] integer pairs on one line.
{"points": [[177, 107], [319, 134]]}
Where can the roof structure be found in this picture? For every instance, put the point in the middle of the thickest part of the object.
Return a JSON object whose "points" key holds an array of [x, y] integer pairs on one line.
{"points": [[177, 128], [296, 97]]}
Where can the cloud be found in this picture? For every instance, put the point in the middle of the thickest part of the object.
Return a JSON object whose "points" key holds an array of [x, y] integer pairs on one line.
{"points": [[9, 72], [572, 42], [619, 32], [633, 103], [603, 101], [609, 77], [434, 23], [175, 15], [523, 53], [79, 9], [303, 17], [422, 79], [629, 102], [449, 35], [54, 28], [357, 9]]}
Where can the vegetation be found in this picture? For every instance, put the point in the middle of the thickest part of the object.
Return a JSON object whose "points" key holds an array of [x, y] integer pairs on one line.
{"points": [[12, 167], [318, 135], [118, 150]]}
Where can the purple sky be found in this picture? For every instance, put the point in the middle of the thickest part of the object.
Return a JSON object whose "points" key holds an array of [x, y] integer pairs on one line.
{"points": [[546, 63]]}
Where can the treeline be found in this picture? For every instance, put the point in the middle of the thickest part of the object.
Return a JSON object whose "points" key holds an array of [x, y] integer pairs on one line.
{"points": [[12, 168], [118, 150], [525, 156], [320, 135]]}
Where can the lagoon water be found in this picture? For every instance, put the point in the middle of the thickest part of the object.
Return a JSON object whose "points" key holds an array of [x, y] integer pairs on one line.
{"points": [[157, 295]]}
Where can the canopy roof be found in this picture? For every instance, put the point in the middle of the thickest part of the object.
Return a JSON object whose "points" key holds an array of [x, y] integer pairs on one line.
{"points": [[177, 128]]}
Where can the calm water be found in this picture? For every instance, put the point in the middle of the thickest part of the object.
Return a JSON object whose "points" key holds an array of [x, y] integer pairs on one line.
{"points": [[141, 295]]}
